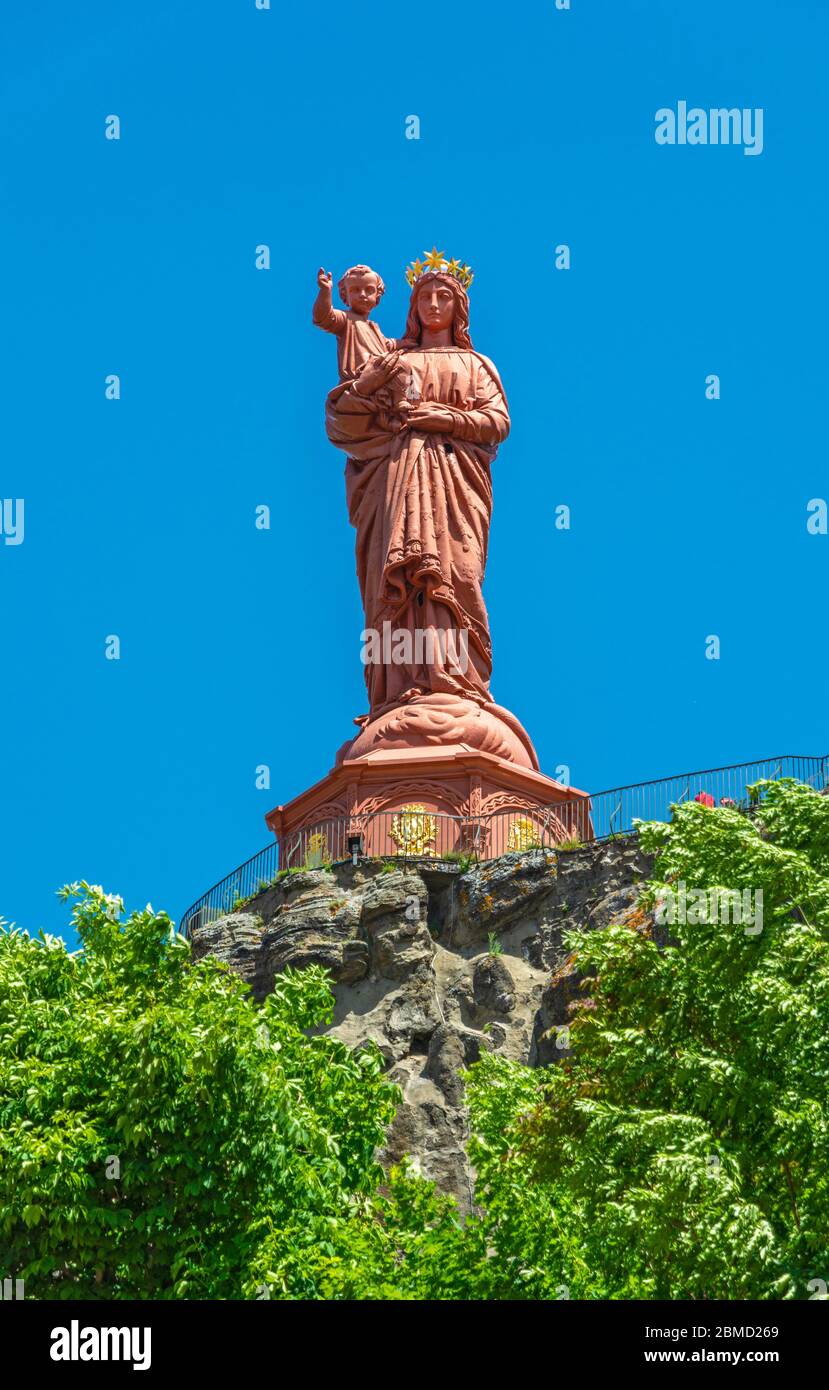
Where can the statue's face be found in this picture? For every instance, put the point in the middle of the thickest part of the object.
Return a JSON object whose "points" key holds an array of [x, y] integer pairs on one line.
{"points": [[435, 306], [362, 290]]}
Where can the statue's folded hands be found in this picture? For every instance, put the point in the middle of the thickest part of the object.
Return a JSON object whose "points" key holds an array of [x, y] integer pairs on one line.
{"points": [[431, 418]]}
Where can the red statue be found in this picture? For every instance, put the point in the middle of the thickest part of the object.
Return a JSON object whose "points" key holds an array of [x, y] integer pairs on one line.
{"points": [[421, 425], [420, 419]]}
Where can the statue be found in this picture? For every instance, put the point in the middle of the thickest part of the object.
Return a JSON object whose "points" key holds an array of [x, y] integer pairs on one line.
{"points": [[436, 765], [421, 425]]}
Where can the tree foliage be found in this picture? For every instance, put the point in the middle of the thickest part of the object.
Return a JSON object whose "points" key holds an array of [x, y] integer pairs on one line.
{"points": [[162, 1135], [682, 1148], [157, 1128]]}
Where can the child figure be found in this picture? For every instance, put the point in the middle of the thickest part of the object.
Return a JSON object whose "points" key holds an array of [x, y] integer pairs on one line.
{"points": [[358, 339]]}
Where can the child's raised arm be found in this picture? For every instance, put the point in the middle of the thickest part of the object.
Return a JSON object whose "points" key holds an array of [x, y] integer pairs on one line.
{"points": [[324, 314]]}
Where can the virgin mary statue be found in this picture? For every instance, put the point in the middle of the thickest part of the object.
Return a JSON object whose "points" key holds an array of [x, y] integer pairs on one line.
{"points": [[421, 426]]}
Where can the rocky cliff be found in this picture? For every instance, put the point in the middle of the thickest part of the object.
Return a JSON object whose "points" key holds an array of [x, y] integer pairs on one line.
{"points": [[435, 962]]}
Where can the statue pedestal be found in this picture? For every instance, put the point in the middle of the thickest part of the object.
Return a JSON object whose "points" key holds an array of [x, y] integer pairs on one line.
{"points": [[427, 802]]}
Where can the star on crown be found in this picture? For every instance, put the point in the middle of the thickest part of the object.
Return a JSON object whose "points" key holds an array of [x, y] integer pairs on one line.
{"points": [[435, 261]]}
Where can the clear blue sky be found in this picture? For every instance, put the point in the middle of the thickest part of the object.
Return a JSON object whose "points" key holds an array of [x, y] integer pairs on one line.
{"points": [[286, 127]]}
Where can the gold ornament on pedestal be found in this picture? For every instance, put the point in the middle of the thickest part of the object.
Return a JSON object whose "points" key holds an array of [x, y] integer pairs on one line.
{"points": [[523, 834], [414, 830], [317, 852]]}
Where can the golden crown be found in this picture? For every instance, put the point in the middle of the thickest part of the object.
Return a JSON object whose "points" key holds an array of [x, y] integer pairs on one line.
{"points": [[435, 261]]}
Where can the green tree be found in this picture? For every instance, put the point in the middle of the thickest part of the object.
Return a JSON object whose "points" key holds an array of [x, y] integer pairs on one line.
{"points": [[161, 1135], [681, 1150]]}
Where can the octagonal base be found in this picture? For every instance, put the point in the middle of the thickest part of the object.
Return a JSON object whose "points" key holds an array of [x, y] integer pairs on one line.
{"points": [[427, 802]]}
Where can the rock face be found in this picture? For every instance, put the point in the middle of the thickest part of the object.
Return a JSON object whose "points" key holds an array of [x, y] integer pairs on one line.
{"points": [[437, 965]]}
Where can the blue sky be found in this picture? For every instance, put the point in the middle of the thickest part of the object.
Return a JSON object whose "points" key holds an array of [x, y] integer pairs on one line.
{"points": [[287, 127]]}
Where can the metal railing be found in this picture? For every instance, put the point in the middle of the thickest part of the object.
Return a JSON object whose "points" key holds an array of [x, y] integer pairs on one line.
{"points": [[615, 811], [256, 872], [417, 833]]}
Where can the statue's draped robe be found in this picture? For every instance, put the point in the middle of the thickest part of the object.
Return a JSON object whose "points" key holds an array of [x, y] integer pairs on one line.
{"points": [[421, 504]]}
